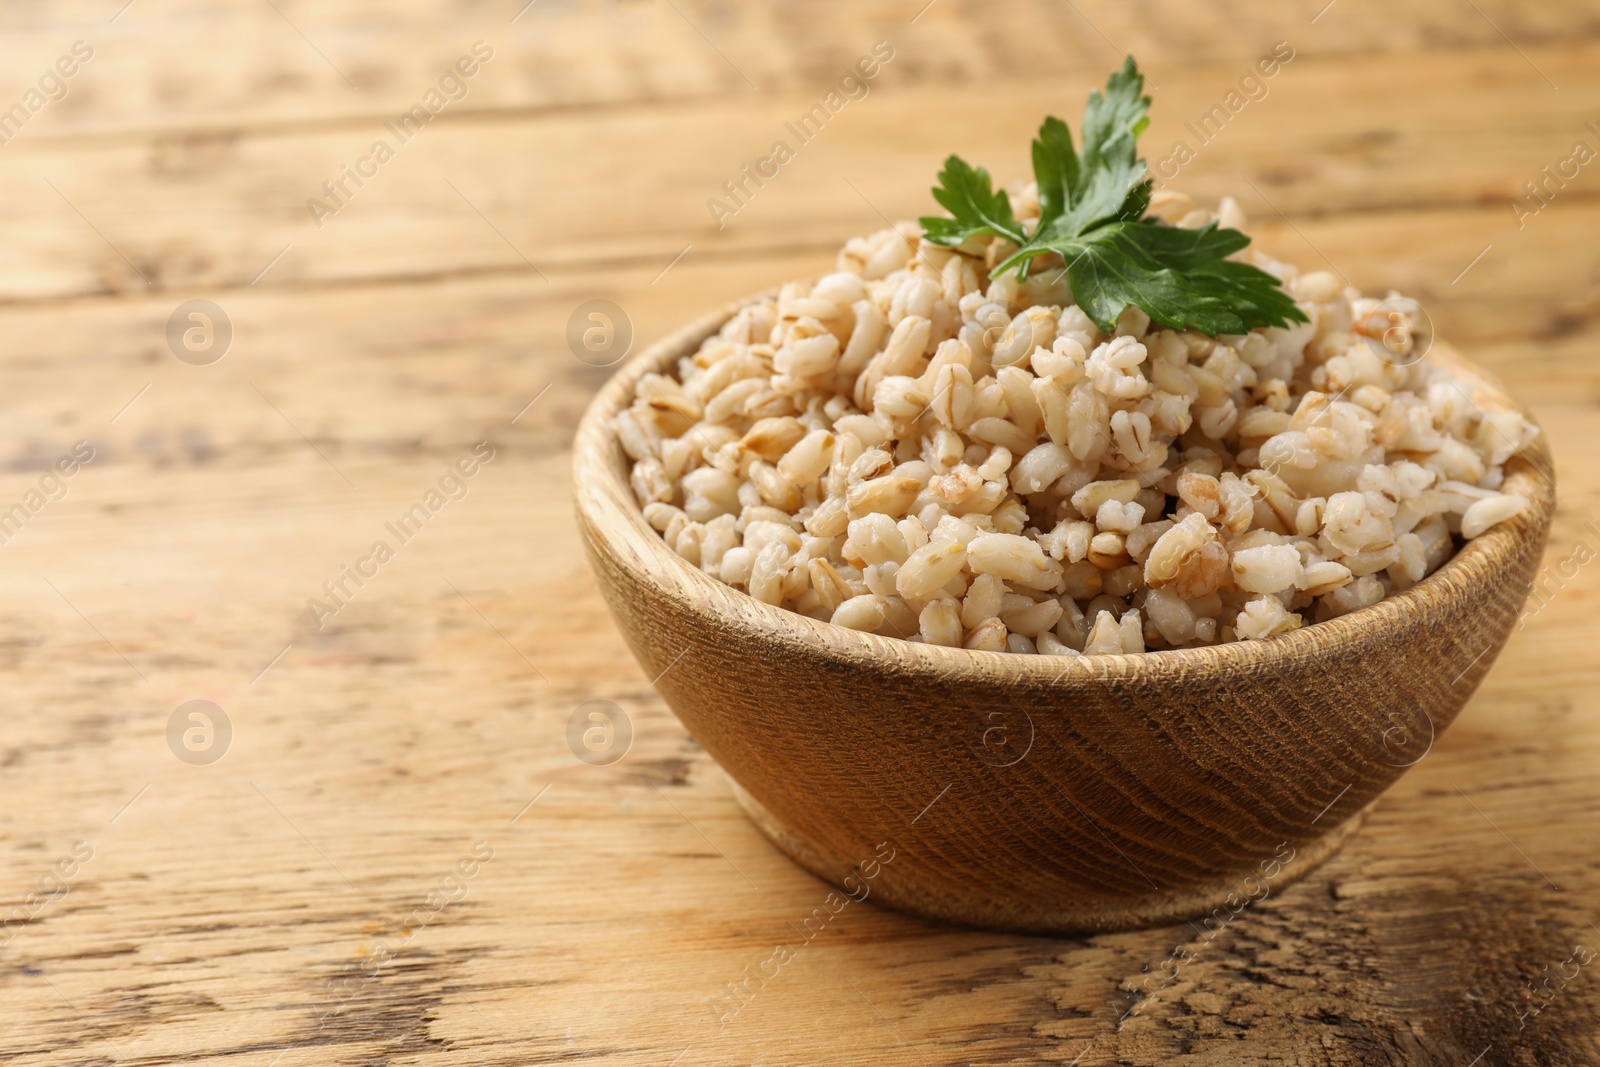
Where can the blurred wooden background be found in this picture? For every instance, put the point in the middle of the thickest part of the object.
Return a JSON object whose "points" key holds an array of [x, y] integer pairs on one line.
{"points": [[305, 899]]}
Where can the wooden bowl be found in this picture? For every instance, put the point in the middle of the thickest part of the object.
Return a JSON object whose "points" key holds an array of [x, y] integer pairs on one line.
{"points": [[1042, 794]]}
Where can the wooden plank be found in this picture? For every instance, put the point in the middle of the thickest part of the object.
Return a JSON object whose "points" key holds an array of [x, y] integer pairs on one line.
{"points": [[551, 194], [185, 67]]}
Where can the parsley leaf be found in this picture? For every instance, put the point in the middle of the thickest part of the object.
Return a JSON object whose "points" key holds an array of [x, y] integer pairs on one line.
{"points": [[1091, 206], [979, 210], [1055, 165], [1113, 122], [1180, 278]]}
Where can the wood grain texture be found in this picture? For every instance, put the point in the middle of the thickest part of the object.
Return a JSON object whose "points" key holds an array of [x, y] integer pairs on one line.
{"points": [[189, 66], [236, 913]]}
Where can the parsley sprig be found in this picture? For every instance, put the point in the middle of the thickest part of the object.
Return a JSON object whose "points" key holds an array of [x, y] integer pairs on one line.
{"points": [[1092, 202]]}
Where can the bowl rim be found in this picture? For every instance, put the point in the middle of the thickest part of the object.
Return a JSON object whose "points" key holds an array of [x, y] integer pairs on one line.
{"points": [[607, 508]]}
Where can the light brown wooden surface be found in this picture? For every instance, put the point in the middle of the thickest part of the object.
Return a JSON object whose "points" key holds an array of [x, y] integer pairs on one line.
{"points": [[227, 910]]}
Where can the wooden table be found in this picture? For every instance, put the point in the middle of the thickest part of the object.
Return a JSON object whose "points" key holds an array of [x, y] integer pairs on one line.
{"points": [[397, 856]]}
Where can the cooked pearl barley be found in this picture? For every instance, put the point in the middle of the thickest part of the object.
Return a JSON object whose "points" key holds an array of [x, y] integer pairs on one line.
{"points": [[1030, 618], [860, 613], [1104, 637], [940, 623], [929, 569], [808, 459], [1013, 558], [1485, 513], [911, 448], [1267, 569], [1262, 618], [989, 636], [1319, 578]]}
